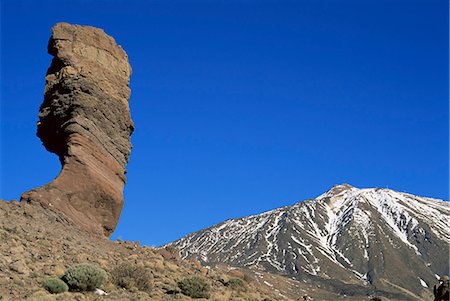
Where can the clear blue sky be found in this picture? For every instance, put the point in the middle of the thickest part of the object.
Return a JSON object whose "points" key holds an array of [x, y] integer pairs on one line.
{"points": [[244, 106]]}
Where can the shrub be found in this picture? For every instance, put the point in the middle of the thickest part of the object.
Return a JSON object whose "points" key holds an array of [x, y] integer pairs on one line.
{"points": [[129, 276], [194, 287], [84, 277], [236, 284], [55, 285]]}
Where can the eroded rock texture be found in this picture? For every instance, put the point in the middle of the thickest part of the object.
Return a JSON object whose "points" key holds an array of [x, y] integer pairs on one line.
{"points": [[85, 120]]}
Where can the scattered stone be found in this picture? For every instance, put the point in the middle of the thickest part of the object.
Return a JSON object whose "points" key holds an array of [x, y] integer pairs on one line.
{"points": [[20, 267]]}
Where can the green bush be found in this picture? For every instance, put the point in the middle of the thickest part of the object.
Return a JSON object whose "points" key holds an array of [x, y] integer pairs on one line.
{"points": [[129, 276], [194, 287], [236, 284], [55, 285], [84, 277]]}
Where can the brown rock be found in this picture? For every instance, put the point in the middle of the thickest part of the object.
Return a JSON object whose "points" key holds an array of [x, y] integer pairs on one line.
{"points": [[20, 267], [85, 120], [170, 253]]}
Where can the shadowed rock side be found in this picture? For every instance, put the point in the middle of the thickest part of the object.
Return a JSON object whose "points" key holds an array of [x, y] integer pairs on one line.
{"points": [[85, 120]]}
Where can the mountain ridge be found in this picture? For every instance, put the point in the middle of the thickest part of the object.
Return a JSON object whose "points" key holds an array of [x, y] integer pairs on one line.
{"points": [[355, 240]]}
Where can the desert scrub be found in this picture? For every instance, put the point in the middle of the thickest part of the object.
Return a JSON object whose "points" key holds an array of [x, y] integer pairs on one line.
{"points": [[84, 277], [194, 287], [236, 284], [130, 276], [55, 285]]}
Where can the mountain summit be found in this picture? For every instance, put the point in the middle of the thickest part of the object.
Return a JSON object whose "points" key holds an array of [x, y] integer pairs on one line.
{"points": [[349, 240]]}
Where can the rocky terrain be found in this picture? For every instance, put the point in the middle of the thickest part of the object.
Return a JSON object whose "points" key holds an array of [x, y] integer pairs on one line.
{"points": [[348, 240], [38, 243], [85, 120]]}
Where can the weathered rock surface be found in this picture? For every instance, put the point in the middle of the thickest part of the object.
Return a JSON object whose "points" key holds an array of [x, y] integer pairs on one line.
{"points": [[85, 120]]}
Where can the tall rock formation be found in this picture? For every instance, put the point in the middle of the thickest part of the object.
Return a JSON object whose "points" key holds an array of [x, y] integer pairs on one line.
{"points": [[85, 120]]}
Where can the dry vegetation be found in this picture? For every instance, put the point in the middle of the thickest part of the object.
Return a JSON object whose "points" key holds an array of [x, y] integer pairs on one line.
{"points": [[39, 245]]}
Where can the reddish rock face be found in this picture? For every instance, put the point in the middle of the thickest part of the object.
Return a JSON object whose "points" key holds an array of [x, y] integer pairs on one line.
{"points": [[85, 120]]}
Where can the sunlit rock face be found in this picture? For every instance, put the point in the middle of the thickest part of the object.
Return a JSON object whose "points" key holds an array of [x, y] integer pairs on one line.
{"points": [[85, 120]]}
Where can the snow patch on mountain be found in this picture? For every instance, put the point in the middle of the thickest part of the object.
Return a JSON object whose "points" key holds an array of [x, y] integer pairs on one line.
{"points": [[423, 283]]}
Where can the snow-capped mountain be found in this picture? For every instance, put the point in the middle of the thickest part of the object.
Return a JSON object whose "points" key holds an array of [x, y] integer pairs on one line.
{"points": [[352, 241]]}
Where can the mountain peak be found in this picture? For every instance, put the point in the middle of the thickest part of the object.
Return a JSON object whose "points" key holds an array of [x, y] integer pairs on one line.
{"points": [[339, 239], [336, 189]]}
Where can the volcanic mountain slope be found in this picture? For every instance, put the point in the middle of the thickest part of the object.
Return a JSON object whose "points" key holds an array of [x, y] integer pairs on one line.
{"points": [[351, 241]]}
